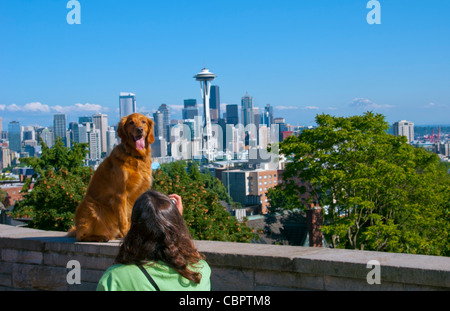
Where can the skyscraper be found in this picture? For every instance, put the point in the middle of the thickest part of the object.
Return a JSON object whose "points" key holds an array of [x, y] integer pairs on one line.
{"points": [[101, 123], [190, 109], [164, 109], [94, 144], [60, 126], [15, 136], [74, 133], [404, 128], [110, 139], [47, 137], [267, 116], [232, 114], [83, 133], [84, 119], [127, 104], [247, 110], [158, 127], [214, 104]]}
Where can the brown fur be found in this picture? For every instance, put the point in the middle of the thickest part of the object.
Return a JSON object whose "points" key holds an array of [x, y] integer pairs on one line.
{"points": [[105, 212]]}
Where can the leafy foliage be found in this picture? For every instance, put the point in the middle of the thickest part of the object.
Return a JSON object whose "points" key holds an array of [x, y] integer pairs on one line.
{"points": [[205, 217], [61, 184], [380, 193]]}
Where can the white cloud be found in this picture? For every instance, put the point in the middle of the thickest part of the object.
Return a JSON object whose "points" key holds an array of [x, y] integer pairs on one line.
{"points": [[13, 108], [39, 107], [286, 107], [311, 108], [365, 103], [36, 107], [434, 105], [88, 107]]}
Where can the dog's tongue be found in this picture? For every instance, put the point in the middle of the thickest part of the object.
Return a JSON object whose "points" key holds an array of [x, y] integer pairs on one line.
{"points": [[140, 144]]}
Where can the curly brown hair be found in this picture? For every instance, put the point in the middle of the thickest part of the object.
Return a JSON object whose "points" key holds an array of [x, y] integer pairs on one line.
{"points": [[158, 233]]}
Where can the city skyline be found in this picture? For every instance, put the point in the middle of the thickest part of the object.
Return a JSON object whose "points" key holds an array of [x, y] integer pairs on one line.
{"points": [[302, 58]]}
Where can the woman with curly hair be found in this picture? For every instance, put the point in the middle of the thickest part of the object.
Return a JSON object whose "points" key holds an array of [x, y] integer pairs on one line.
{"points": [[157, 253]]}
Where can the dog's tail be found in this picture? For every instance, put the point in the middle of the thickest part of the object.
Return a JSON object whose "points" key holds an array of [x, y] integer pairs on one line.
{"points": [[72, 232]]}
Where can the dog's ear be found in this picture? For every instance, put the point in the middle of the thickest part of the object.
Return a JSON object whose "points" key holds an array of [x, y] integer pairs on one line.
{"points": [[150, 135], [121, 129]]}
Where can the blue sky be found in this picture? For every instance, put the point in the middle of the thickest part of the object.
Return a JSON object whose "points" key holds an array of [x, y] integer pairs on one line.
{"points": [[303, 57]]}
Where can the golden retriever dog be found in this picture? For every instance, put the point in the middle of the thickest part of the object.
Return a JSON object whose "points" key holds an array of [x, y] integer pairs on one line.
{"points": [[105, 212]]}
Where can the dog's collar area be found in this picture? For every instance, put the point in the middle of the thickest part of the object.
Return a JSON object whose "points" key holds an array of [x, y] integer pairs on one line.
{"points": [[130, 154]]}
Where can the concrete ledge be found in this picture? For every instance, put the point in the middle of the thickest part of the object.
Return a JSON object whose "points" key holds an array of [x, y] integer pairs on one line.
{"points": [[36, 260]]}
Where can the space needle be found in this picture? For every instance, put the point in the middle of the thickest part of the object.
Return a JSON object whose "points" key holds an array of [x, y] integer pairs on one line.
{"points": [[205, 77]]}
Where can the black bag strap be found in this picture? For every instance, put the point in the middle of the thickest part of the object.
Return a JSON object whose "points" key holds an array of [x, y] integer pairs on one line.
{"points": [[149, 277]]}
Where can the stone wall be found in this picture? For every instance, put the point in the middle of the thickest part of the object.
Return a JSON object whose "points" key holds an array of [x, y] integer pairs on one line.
{"points": [[37, 260]]}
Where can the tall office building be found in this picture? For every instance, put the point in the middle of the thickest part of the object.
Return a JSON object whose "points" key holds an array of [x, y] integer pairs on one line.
{"points": [[127, 104], [214, 104], [100, 121], [5, 157], [164, 109], [60, 126], [247, 110], [158, 127], [47, 137], [404, 128], [74, 134], [232, 113], [190, 109], [256, 117], [83, 133], [15, 136], [94, 144], [110, 139], [267, 116], [84, 119]]}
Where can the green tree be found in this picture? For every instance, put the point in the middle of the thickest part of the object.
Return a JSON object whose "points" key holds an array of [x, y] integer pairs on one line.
{"points": [[211, 183], [60, 186], [3, 196], [379, 192], [280, 200], [205, 217]]}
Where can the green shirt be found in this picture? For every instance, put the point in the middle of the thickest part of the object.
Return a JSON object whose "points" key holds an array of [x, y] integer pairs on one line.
{"points": [[122, 277]]}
